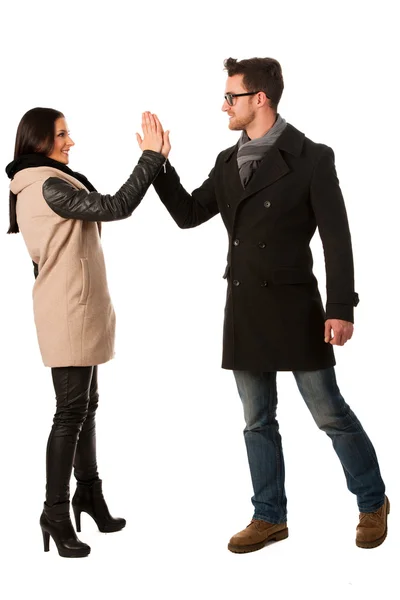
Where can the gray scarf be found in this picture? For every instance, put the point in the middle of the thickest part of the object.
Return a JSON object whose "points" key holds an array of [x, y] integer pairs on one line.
{"points": [[251, 152]]}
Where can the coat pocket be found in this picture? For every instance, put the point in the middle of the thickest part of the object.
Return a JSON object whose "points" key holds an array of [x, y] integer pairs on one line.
{"points": [[85, 281], [288, 276]]}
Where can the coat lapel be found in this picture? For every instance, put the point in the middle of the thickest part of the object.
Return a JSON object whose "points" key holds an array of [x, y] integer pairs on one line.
{"points": [[271, 168]]}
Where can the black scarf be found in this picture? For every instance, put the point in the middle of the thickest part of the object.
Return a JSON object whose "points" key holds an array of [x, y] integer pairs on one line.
{"points": [[28, 161]]}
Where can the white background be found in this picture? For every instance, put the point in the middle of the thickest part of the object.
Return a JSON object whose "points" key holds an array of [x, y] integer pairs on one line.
{"points": [[170, 445]]}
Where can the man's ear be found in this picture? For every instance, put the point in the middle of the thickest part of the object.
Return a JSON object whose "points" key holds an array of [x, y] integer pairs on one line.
{"points": [[262, 99]]}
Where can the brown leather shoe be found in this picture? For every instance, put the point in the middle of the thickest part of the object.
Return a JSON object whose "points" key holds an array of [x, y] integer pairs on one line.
{"points": [[372, 528], [256, 535]]}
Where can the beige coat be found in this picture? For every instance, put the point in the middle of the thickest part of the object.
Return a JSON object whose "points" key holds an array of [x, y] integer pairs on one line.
{"points": [[74, 316]]}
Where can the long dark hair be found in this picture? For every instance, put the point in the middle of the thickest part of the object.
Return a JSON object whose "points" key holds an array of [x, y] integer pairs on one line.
{"points": [[35, 134]]}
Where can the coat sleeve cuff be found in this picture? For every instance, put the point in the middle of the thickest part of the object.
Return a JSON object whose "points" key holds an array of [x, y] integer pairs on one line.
{"points": [[156, 157], [344, 312]]}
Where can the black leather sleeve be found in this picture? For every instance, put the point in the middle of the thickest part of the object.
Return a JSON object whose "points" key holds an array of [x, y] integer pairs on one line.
{"points": [[70, 203]]}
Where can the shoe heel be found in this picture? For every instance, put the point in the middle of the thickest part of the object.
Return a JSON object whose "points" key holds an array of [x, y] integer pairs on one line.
{"points": [[46, 540], [77, 515], [281, 535]]}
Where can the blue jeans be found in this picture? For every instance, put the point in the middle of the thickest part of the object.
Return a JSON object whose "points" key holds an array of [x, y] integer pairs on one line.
{"points": [[332, 415]]}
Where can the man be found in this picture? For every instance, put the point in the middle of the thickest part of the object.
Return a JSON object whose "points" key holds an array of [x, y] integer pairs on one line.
{"points": [[272, 189]]}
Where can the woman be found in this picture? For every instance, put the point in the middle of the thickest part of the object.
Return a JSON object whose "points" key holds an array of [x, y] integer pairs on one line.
{"points": [[59, 214]]}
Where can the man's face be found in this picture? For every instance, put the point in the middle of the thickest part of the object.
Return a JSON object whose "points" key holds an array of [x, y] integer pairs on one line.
{"points": [[242, 113]]}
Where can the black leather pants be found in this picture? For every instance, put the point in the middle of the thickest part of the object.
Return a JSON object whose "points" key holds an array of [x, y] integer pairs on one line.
{"points": [[72, 440]]}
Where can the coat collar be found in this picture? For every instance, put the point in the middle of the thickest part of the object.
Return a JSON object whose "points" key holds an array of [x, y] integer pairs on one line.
{"points": [[290, 141], [273, 166]]}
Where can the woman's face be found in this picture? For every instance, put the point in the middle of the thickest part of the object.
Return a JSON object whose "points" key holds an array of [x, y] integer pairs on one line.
{"points": [[62, 142]]}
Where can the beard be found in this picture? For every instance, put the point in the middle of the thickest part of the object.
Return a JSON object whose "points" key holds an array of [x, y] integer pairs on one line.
{"points": [[241, 123]]}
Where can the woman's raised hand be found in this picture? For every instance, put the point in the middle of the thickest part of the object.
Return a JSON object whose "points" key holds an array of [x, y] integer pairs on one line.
{"points": [[152, 133]]}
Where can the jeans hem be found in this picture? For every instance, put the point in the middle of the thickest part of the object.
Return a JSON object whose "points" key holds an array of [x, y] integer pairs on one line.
{"points": [[271, 520], [372, 510]]}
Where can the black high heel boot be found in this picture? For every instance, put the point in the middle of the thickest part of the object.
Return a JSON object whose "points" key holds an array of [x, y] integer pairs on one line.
{"points": [[55, 522], [89, 498]]}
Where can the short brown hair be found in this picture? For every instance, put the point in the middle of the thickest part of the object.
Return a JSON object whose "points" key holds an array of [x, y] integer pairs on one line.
{"points": [[259, 74]]}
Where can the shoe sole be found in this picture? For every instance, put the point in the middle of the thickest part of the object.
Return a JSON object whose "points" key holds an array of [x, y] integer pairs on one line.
{"points": [[111, 530], [379, 541], [275, 537], [73, 555]]}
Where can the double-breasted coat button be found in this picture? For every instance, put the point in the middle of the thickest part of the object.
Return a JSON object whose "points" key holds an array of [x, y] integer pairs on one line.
{"points": [[261, 245], [267, 204], [236, 282], [264, 284], [228, 205], [236, 243]]}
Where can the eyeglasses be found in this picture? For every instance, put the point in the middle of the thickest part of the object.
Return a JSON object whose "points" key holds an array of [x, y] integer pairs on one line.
{"points": [[229, 97]]}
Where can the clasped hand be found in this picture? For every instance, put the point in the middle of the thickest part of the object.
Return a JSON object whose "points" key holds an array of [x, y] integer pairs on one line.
{"points": [[154, 136]]}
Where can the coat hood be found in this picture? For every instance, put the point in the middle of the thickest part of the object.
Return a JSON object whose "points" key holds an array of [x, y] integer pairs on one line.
{"points": [[37, 167], [27, 177]]}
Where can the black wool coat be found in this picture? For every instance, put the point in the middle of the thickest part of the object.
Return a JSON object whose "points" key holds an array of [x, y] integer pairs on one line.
{"points": [[274, 318]]}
